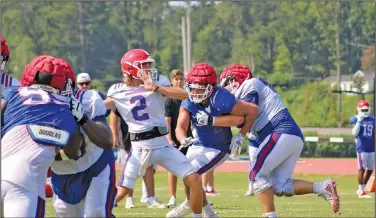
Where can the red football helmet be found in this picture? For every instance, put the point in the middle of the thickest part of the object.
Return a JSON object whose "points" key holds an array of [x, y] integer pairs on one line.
{"points": [[363, 108], [132, 63], [201, 76], [4, 53], [234, 75], [71, 82], [48, 73]]}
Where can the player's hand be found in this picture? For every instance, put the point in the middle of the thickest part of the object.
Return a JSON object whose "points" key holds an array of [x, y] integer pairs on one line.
{"points": [[252, 136], [187, 142], [236, 143], [148, 81], [204, 119], [360, 117], [77, 110]]}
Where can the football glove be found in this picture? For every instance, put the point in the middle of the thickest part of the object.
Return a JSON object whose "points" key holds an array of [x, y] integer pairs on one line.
{"points": [[187, 142], [78, 112], [236, 143]]}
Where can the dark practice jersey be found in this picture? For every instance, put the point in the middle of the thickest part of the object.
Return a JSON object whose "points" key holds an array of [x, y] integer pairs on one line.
{"points": [[220, 103]]}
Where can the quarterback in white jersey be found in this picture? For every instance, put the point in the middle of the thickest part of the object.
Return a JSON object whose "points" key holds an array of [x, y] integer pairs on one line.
{"points": [[86, 186], [140, 104], [281, 142]]}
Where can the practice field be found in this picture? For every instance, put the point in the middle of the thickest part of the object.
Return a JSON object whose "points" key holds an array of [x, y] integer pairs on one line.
{"points": [[233, 203]]}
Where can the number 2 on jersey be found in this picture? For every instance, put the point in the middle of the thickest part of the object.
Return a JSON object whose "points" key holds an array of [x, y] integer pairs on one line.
{"points": [[136, 109]]}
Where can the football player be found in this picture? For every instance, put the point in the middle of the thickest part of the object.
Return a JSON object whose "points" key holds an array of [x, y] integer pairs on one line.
{"points": [[214, 142], [37, 125], [85, 186], [281, 142], [148, 188], [140, 103], [364, 133], [6, 80]]}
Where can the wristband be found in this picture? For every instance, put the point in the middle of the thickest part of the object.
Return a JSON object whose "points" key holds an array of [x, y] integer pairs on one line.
{"points": [[211, 121], [155, 89], [83, 120]]}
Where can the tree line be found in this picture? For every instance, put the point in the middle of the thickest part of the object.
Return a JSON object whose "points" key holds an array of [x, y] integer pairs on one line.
{"points": [[286, 42]]}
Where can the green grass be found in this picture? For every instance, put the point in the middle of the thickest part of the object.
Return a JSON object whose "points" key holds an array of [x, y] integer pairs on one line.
{"points": [[233, 203]]}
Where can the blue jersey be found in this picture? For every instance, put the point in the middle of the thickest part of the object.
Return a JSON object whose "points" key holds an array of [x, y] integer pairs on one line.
{"points": [[365, 140], [220, 103], [26, 105]]}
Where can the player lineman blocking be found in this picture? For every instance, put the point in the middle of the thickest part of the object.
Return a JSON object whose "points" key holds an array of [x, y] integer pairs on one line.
{"points": [[37, 124], [281, 142], [214, 141]]}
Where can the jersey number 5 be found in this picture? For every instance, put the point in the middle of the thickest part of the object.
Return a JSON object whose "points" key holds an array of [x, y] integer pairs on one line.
{"points": [[136, 109]]}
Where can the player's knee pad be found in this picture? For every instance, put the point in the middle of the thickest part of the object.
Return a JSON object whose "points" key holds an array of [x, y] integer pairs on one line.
{"points": [[285, 189], [261, 184]]}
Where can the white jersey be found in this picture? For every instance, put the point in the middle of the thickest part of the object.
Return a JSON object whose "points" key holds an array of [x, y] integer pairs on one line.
{"points": [[94, 107], [142, 110], [268, 100], [7, 81]]}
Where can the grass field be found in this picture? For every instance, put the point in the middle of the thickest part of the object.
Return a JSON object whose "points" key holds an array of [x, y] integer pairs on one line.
{"points": [[233, 203]]}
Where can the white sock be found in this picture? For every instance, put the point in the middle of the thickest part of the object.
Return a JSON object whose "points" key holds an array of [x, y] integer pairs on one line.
{"points": [[209, 188], [151, 198], [270, 214], [360, 187], [144, 190], [250, 185], [208, 209], [317, 188], [197, 215], [363, 187], [129, 198], [204, 187]]}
